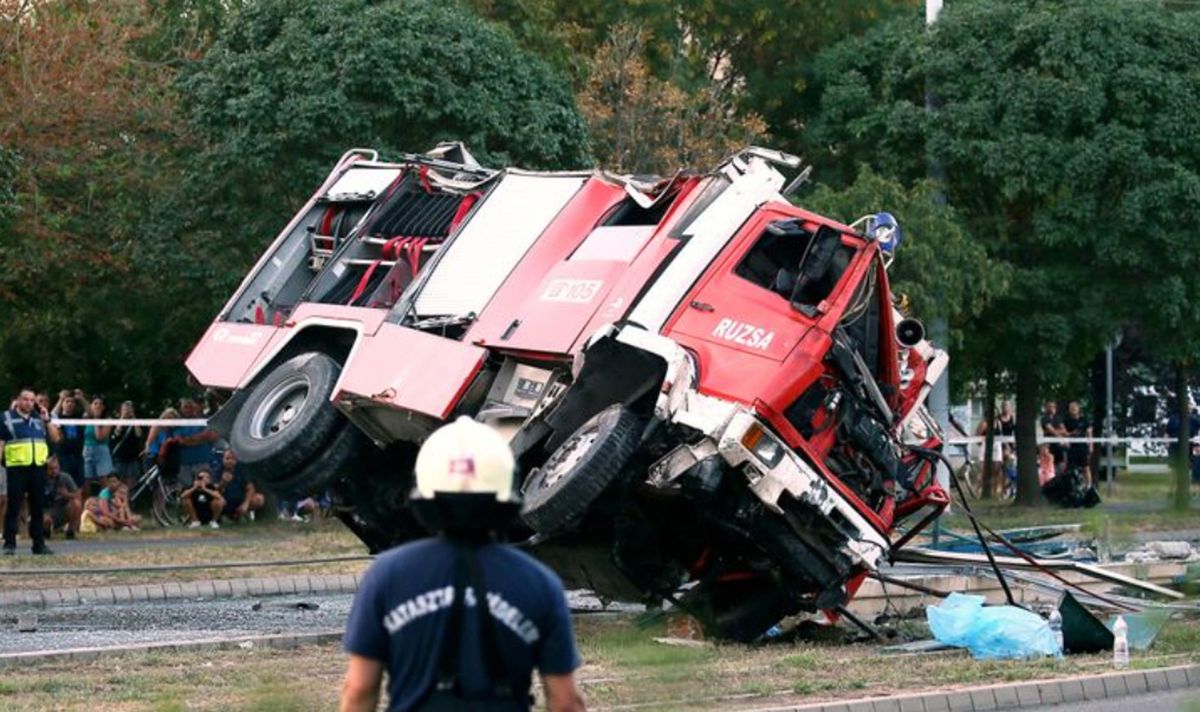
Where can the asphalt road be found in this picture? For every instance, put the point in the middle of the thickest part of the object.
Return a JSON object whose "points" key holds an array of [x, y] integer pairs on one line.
{"points": [[104, 625], [68, 627], [1186, 701]]}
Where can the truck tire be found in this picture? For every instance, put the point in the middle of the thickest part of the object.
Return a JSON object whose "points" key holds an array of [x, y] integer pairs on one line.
{"points": [[340, 457], [287, 417], [558, 494]]}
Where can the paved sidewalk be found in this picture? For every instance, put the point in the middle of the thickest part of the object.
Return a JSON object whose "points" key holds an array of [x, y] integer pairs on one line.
{"points": [[1040, 694], [298, 584]]}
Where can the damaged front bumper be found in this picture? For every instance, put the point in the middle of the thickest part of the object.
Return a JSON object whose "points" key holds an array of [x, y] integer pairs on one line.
{"points": [[743, 443], [772, 470]]}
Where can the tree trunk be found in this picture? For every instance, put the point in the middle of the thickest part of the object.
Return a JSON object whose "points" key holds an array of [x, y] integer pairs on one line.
{"points": [[1029, 492], [1183, 470], [989, 439]]}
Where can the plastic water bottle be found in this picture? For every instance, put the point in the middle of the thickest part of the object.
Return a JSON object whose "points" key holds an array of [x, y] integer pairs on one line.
{"points": [[1120, 643], [1056, 629]]}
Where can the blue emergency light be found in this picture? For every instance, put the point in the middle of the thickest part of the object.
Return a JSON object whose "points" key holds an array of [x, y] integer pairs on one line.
{"points": [[886, 232]]}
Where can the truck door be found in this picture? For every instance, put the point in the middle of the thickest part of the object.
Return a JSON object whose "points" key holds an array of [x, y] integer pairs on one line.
{"points": [[739, 306]]}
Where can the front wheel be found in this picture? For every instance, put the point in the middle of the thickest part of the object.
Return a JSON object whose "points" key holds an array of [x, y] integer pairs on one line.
{"points": [[558, 494], [287, 418]]}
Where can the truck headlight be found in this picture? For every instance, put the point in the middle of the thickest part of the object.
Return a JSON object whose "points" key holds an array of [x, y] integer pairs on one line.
{"points": [[765, 446]]}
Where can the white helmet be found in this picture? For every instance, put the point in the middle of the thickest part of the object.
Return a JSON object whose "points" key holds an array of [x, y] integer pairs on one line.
{"points": [[465, 457]]}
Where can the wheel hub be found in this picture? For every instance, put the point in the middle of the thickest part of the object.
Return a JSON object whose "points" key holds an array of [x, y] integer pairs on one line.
{"points": [[280, 408], [569, 455]]}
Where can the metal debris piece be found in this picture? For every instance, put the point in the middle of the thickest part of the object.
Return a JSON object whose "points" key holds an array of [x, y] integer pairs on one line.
{"points": [[285, 605], [928, 556], [27, 622]]}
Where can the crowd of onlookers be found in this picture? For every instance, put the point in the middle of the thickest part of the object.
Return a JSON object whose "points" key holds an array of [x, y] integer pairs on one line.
{"points": [[94, 468], [1054, 459]]}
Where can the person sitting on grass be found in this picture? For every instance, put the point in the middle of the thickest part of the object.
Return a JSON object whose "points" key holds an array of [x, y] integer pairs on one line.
{"points": [[241, 497], [121, 513], [111, 482], [64, 499], [93, 519], [202, 502]]}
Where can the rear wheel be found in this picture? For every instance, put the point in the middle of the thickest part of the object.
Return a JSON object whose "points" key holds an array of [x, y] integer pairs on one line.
{"points": [[287, 419], [558, 494], [341, 456]]}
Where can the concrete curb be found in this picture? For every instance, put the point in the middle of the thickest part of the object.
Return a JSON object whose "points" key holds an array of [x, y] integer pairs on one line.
{"points": [[246, 642], [1021, 695], [299, 584]]}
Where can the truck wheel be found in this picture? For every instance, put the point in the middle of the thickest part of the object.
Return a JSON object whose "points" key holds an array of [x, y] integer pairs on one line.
{"points": [[340, 457], [287, 418], [559, 493]]}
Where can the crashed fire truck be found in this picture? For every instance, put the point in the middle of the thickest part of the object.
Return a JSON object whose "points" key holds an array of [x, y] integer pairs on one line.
{"points": [[712, 394]]}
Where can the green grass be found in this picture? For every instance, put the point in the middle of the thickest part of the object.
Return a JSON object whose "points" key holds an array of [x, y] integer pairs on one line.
{"points": [[804, 660], [622, 666], [625, 645], [1140, 502]]}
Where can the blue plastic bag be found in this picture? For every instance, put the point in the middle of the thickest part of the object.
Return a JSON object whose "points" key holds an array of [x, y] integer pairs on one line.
{"points": [[992, 632]]}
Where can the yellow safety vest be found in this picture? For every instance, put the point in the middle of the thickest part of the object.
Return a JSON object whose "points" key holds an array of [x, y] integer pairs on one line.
{"points": [[28, 446]]}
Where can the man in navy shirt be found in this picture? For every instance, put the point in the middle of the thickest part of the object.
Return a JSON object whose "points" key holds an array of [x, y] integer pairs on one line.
{"points": [[419, 613]]}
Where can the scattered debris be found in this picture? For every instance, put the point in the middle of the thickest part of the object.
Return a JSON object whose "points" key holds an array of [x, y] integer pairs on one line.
{"points": [[927, 556], [1083, 632], [285, 605], [684, 627], [918, 647], [1153, 551], [683, 642], [27, 623]]}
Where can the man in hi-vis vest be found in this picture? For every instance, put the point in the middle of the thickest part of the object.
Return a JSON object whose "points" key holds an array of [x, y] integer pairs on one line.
{"points": [[24, 431]]}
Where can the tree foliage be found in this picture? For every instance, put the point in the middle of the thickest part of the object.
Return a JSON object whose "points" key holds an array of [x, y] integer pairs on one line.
{"points": [[1066, 136], [748, 65], [89, 130], [939, 267], [289, 85], [644, 124]]}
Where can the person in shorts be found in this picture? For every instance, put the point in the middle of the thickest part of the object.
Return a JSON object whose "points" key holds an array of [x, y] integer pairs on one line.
{"points": [[195, 442], [97, 458], [202, 502]]}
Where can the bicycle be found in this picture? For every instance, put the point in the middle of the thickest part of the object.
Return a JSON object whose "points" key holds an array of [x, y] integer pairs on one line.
{"points": [[165, 503]]}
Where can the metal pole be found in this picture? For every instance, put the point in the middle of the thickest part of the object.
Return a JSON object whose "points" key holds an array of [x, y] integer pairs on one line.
{"points": [[939, 397], [1108, 419], [933, 8]]}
